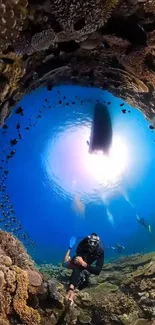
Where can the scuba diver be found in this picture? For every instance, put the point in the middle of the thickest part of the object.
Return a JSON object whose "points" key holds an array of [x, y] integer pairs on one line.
{"points": [[118, 248], [88, 251], [144, 223]]}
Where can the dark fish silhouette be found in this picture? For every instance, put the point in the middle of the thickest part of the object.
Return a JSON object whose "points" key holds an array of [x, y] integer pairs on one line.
{"points": [[14, 142], [19, 110], [12, 152], [5, 126], [101, 132], [18, 126]]}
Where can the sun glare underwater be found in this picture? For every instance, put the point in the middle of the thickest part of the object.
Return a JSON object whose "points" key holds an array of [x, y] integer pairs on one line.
{"points": [[53, 188]]}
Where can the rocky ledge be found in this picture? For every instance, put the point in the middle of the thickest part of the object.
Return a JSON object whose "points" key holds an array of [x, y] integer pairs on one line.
{"points": [[123, 294], [109, 44]]}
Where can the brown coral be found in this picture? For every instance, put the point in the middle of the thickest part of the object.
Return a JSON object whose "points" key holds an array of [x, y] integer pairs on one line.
{"points": [[2, 280], [13, 14], [15, 282], [12, 69], [15, 250], [27, 314]]}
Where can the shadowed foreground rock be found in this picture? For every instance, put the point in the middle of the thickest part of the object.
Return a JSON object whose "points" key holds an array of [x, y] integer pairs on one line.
{"points": [[108, 44], [124, 292]]}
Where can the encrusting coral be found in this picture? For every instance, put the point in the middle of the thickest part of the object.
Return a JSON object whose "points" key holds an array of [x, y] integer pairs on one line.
{"points": [[12, 70], [17, 274], [27, 314], [12, 16], [15, 250]]}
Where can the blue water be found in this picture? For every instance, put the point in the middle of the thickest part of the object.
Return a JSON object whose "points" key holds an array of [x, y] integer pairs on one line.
{"points": [[58, 190]]}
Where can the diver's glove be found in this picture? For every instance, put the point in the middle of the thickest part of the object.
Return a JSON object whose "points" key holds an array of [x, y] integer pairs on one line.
{"points": [[72, 242]]}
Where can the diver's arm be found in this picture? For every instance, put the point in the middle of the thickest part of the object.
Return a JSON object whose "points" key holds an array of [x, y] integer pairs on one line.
{"points": [[67, 257], [98, 268]]}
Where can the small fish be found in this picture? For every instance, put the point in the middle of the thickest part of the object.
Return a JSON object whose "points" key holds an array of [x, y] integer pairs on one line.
{"points": [[8, 157], [50, 87], [27, 128], [18, 126], [19, 110], [5, 127], [12, 153], [13, 142]]}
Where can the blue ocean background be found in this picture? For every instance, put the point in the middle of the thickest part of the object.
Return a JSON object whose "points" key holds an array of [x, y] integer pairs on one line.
{"points": [[46, 175]]}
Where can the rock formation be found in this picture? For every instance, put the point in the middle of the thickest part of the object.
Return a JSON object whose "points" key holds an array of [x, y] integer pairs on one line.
{"points": [[108, 44], [18, 279], [123, 294]]}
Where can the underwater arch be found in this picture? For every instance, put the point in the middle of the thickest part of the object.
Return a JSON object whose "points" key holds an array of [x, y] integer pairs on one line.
{"points": [[55, 168]]}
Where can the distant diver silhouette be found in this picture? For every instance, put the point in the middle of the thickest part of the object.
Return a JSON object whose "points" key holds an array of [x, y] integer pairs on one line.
{"points": [[144, 224], [101, 131]]}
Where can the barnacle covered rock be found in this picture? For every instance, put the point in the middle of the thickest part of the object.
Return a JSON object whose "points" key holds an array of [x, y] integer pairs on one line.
{"points": [[12, 16]]}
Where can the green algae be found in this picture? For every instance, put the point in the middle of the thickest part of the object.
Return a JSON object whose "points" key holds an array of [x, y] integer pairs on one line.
{"points": [[141, 321], [84, 318], [107, 287]]}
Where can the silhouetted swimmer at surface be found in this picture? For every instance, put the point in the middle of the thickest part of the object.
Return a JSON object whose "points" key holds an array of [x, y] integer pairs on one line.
{"points": [[89, 251], [101, 131]]}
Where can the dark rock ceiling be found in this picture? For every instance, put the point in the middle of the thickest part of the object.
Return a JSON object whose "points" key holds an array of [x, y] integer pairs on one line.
{"points": [[104, 43]]}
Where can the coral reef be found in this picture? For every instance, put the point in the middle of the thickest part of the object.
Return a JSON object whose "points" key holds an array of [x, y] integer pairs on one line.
{"points": [[15, 250], [109, 44], [17, 277], [123, 294], [13, 15], [27, 314]]}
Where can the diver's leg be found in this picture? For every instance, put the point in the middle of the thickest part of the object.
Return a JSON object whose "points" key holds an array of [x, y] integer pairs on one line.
{"points": [[74, 281]]}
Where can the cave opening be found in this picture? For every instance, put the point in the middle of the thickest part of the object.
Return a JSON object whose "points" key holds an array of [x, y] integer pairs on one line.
{"points": [[46, 169]]}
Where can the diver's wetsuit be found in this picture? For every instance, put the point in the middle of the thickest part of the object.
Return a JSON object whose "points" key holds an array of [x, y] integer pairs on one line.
{"points": [[97, 255]]}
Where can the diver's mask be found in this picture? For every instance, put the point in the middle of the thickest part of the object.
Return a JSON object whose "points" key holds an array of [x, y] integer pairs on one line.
{"points": [[93, 241]]}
